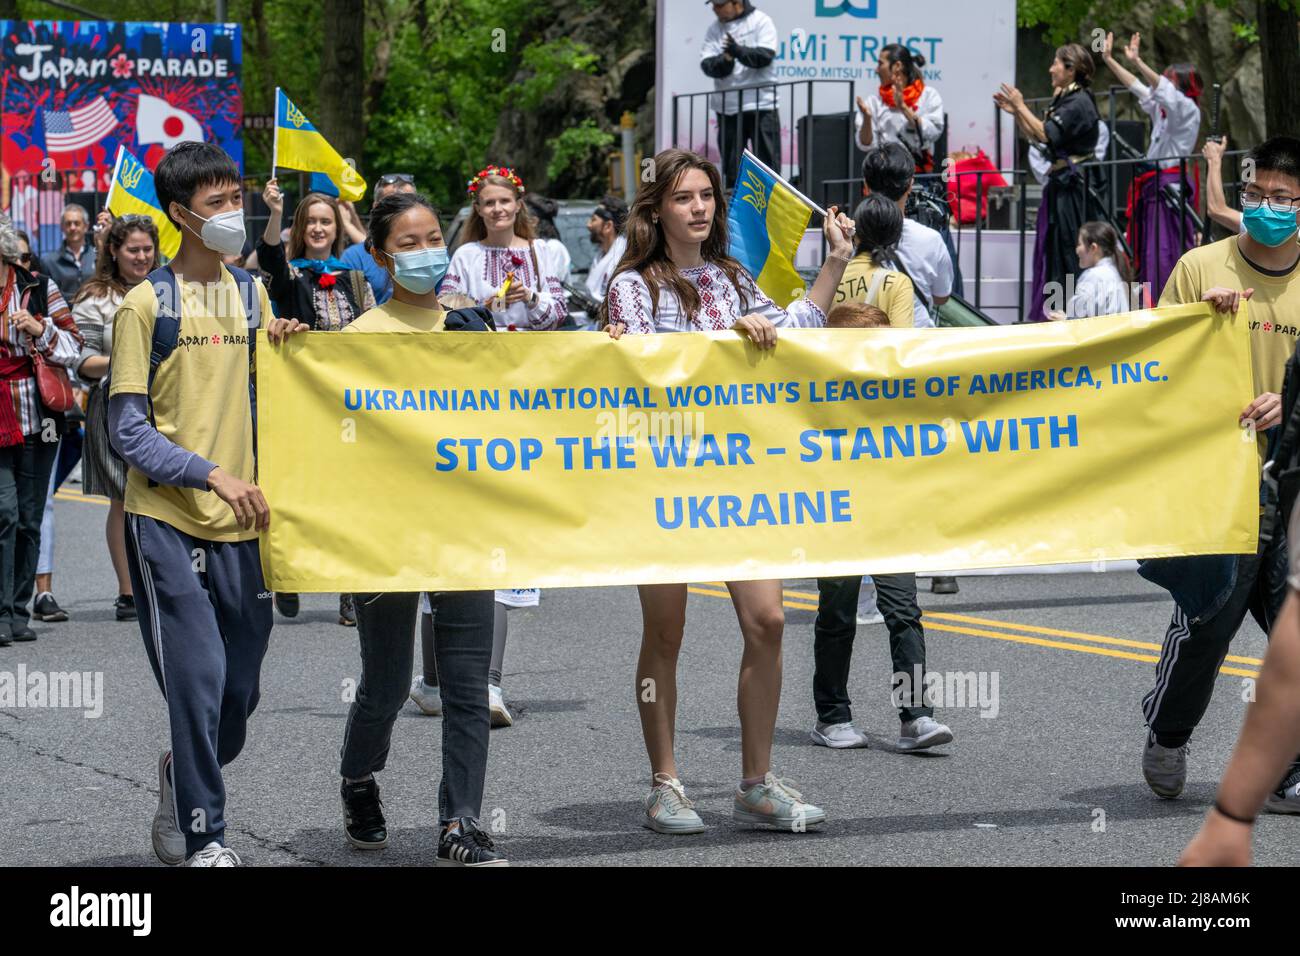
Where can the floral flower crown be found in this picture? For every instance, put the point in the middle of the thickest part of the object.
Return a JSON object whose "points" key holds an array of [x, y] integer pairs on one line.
{"points": [[504, 172]]}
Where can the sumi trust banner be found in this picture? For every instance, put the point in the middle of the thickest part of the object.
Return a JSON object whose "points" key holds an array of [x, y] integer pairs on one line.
{"points": [[455, 460]]}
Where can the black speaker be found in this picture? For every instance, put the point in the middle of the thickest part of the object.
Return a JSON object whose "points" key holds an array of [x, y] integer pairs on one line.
{"points": [[1134, 133], [826, 152]]}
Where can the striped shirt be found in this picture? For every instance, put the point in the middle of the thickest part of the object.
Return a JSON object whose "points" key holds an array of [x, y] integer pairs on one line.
{"points": [[60, 344]]}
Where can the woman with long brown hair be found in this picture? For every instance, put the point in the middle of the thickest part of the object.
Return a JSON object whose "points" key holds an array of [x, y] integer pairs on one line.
{"points": [[311, 284], [677, 276], [129, 253]]}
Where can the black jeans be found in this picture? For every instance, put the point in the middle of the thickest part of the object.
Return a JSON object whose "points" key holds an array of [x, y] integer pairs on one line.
{"points": [[735, 130], [833, 632], [462, 623], [24, 481]]}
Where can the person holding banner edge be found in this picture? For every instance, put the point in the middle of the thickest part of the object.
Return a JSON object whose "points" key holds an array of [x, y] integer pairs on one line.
{"points": [[677, 245], [1213, 594]]}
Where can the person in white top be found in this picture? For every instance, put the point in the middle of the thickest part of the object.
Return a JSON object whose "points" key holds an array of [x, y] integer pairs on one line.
{"points": [[905, 111], [502, 265], [739, 47], [499, 244], [677, 276], [922, 254], [1103, 287], [544, 211], [606, 229], [1158, 232]]}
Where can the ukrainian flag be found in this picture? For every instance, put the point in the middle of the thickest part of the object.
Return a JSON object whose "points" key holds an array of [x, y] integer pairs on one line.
{"points": [[766, 224], [299, 146], [132, 193]]}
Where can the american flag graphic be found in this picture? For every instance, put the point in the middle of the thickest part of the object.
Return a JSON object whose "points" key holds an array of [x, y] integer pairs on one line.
{"points": [[66, 132]]}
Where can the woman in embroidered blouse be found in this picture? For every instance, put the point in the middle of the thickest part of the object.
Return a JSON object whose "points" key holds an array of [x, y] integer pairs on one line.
{"points": [[676, 277], [499, 239], [310, 284]]}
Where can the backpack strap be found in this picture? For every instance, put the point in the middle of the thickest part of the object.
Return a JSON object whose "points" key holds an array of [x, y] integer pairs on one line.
{"points": [[358, 291], [252, 302]]}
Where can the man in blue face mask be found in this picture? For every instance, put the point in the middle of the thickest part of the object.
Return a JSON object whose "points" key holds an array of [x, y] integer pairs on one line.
{"points": [[355, 256], [1213, 594]]}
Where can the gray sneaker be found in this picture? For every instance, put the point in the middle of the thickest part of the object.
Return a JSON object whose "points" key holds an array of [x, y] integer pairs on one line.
{"points": [[1286, 798], [923, 733], [1165, 768], [668, 811], [775, 803], [168, 841]]}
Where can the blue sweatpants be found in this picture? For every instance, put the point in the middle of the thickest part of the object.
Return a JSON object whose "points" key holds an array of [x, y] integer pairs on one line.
{"points": [[205, 616]]}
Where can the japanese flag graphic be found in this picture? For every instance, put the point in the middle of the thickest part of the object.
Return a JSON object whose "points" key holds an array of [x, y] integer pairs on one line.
{"points": [[157, 121]]}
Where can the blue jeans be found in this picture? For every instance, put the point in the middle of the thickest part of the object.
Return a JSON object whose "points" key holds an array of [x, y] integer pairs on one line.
{"points": [[462, 624]]}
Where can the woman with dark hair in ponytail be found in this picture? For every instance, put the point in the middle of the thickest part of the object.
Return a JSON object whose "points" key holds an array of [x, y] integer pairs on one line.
{"points": [[1158, 234], [872, 276], [906, 111], [1103, 288], [1067, 135]]}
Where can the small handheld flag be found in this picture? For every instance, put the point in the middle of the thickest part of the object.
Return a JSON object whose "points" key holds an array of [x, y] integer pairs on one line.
{"points": [[132, 192], [765, 224], [298, 145]]}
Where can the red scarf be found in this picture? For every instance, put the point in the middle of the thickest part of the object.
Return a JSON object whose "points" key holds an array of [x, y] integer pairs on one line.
{"points": [[911, 94]]}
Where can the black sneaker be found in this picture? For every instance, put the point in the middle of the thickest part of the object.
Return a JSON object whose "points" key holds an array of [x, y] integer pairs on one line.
{"points": [[463, 844], [46, 609], [21, 632], [943, 585], [5, 638], [363, 815], [347, 612], [124, 607], [1286, 798], [286, 604]]}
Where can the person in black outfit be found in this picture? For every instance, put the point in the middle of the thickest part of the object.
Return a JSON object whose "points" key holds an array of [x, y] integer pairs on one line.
{"points": [[1068, 135]]}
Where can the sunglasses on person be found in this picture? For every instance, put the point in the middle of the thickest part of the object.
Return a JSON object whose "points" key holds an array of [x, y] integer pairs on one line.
{"points": [[136, 217], [390, 179], [26, 258]]}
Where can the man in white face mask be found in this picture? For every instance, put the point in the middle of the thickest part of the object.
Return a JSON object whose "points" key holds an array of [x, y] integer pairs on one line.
{"points": [[184, 426]]}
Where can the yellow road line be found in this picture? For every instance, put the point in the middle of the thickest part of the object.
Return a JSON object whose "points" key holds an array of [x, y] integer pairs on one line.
{"points": [[77, 496], [1016, 638]]}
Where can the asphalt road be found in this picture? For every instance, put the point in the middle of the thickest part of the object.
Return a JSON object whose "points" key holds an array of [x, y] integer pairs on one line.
{"points": [[1052, 779]]}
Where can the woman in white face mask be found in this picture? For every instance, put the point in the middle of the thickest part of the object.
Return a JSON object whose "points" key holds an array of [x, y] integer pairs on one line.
{"points": [[406, 242], [309, 282]]}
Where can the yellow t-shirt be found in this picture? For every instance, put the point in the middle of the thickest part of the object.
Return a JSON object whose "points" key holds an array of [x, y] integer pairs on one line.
{"points": [[894, 297], [1274, 309], [394, 316], [200, 397]]}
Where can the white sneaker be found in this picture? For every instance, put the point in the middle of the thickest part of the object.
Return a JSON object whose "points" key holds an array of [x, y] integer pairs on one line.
{"points": [[922, 733], [168, 841], [838, 736], [497, 707], [214, 854], [667, 810], [775, 803], [427, 697], [870, 614]]}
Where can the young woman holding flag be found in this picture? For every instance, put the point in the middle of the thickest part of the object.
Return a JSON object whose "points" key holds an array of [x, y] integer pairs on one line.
{"points": [[310, 284], [678, 276]]}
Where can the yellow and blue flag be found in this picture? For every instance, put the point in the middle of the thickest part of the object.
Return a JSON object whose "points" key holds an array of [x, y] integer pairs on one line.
{"points": [[132, 193], [298, 145], [766, 223]]}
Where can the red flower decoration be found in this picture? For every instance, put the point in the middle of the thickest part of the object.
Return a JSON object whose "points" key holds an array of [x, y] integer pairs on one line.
{"points": [[517, 259], [327, 280], [122, 66]]}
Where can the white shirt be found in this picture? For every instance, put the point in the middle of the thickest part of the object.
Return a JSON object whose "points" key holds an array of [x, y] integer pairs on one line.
{"points": [[753, 30], [1039, 164], [928, 264], [720, 306], [1175, 119], [1101, 290], [603, 268], [479, 271], [891, 126], [559, 253]]}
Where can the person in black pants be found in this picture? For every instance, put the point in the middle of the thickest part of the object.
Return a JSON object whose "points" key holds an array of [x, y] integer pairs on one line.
{"points": [[833, 634], [738, 51]]}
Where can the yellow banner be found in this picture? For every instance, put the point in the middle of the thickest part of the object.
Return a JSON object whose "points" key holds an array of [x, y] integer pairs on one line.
{"points": [[446, 461]]}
